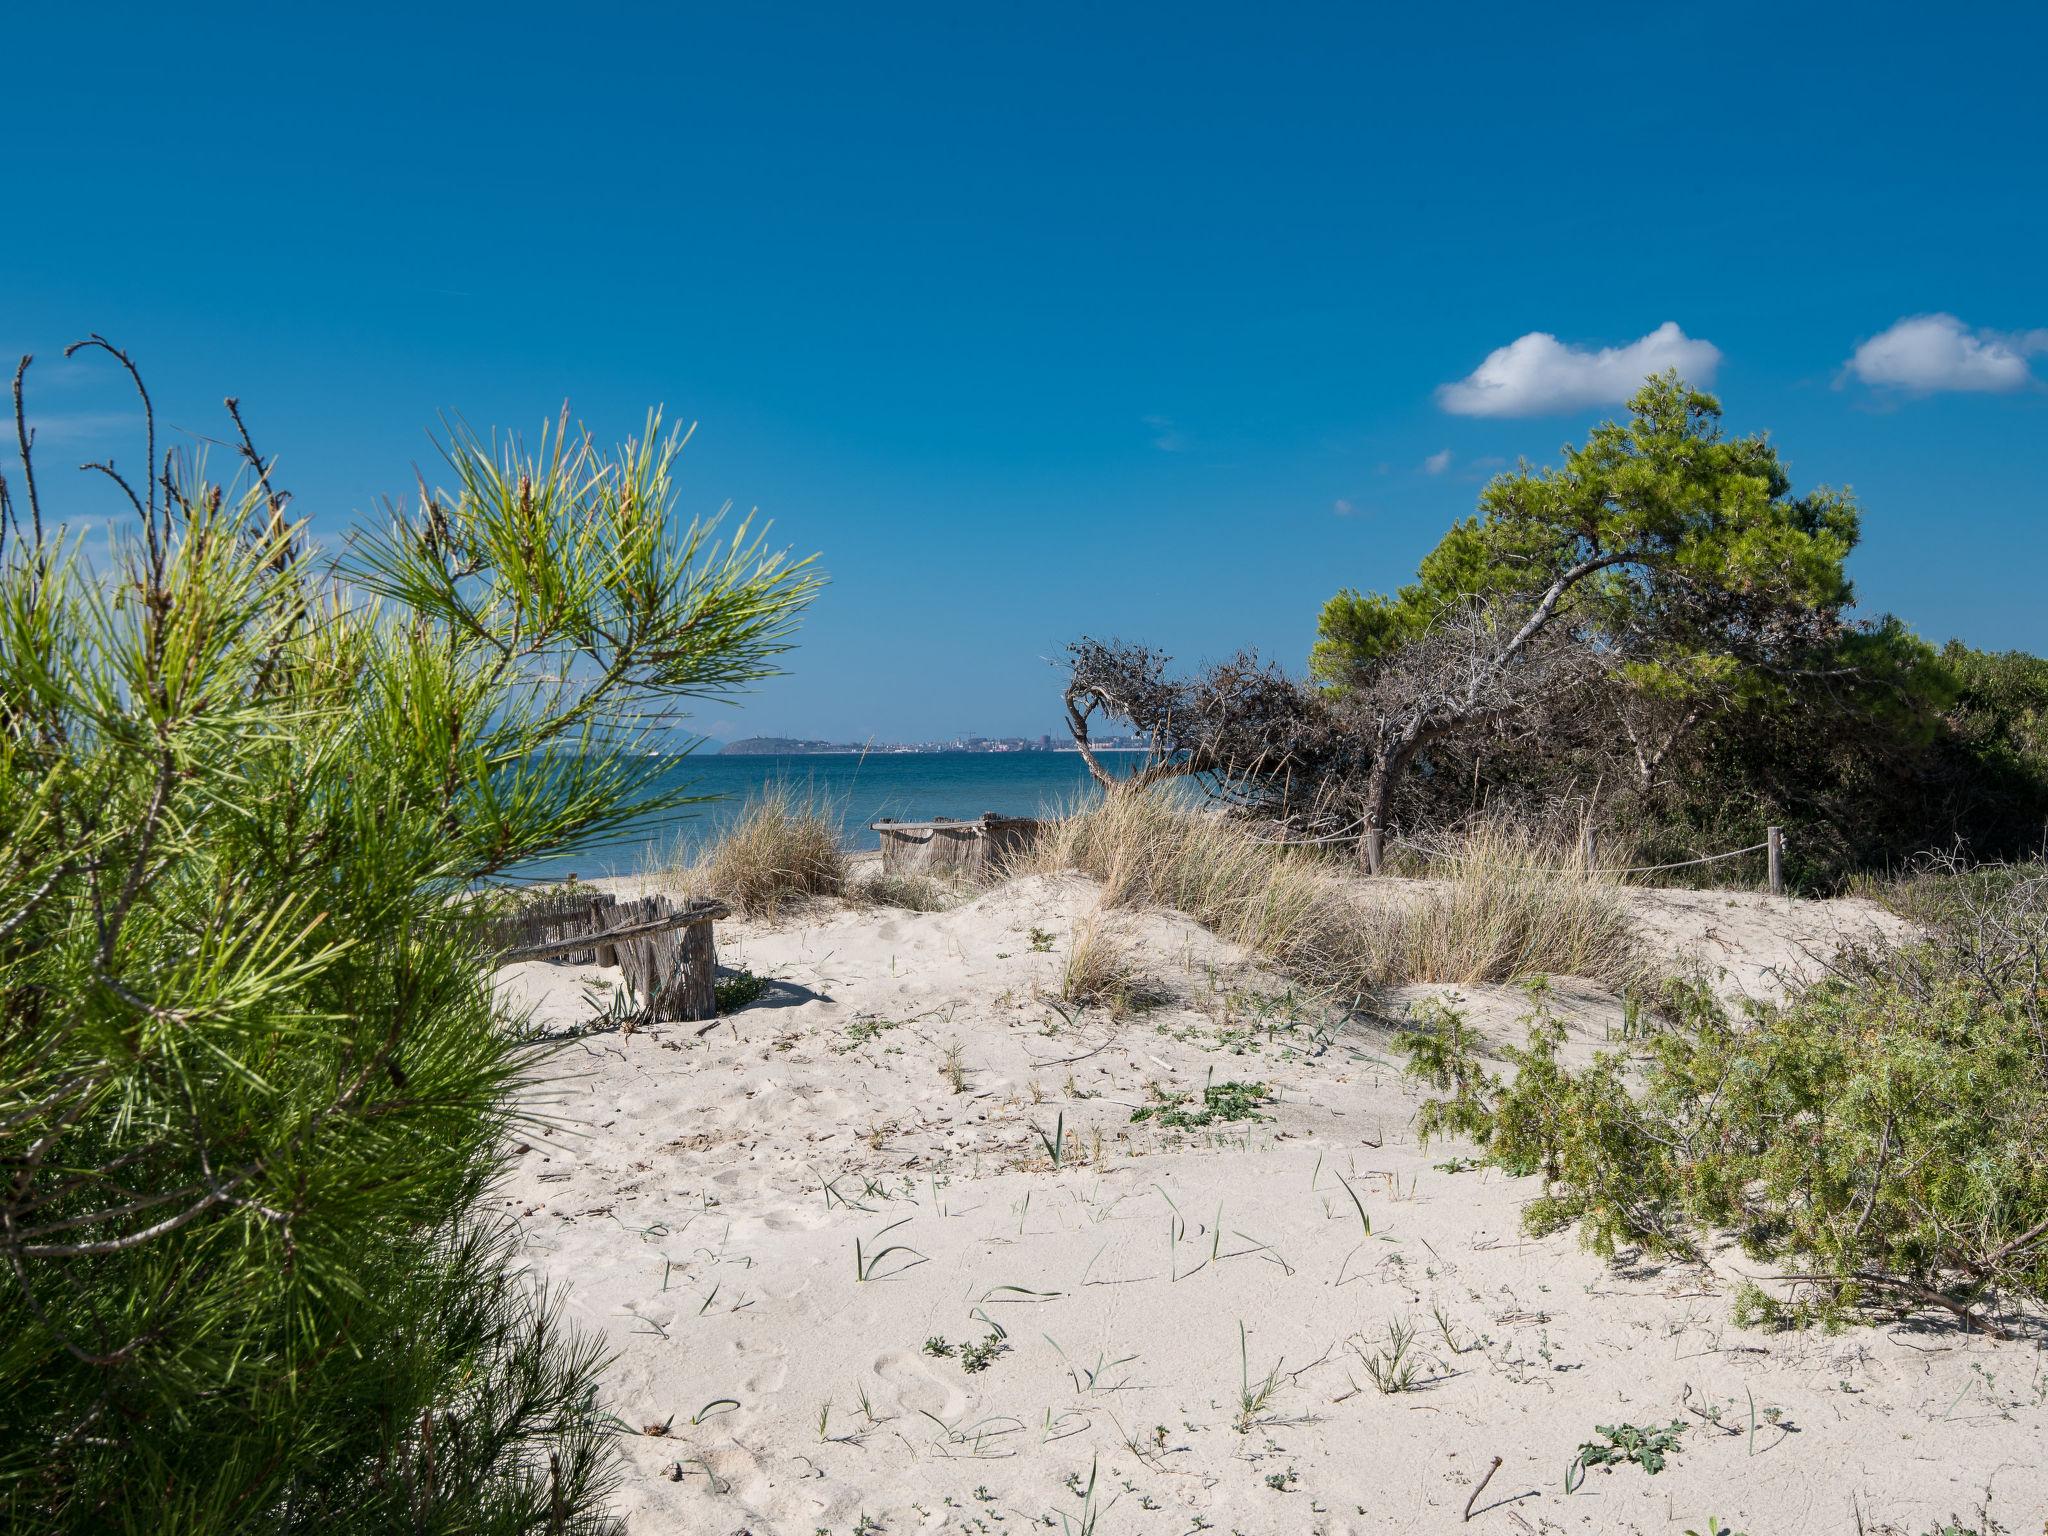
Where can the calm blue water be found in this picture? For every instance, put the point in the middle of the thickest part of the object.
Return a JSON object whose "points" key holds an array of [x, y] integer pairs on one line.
{"points": [[909, 786]]}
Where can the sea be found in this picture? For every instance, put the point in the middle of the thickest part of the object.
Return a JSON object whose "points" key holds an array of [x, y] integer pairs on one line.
{"points": [[855, 790]]}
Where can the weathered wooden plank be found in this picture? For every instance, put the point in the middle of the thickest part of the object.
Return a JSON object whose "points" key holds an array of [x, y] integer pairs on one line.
{"points": [[560, 944], [976, 847], [694, 990]]}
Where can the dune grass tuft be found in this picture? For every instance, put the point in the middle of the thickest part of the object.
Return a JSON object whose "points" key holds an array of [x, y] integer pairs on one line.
{"points": [[1505, 907], [783, 848], [1100, 970]]}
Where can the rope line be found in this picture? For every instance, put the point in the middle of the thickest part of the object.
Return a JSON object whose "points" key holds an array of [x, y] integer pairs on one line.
{"points": [[1349, 834], [1635, 869]]}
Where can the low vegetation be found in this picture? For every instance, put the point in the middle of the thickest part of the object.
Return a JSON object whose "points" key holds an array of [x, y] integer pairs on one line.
{"points": [[1220, 1103], [1882, 1136], [782, 848], [910, 893], [1508, 911]]}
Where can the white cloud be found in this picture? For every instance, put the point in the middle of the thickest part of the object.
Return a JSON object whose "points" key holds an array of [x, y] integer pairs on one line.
{"points": [[1166, 437], [1537, 375], [1437, 462], [1343, 507], [1924, 353]]}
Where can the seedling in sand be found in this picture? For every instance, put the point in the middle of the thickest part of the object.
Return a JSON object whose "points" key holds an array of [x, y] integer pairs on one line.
{"points": [[1252, 1397], [862, 1031], [1055, 1144], [979, 1357], [1647, 1447], [1391, 1368], [867, 1262], [714, 1407]]}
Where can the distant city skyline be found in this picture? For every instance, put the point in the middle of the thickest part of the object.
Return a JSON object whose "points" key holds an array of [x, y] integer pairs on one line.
{"points": [[1057, 321], [966, 742]]}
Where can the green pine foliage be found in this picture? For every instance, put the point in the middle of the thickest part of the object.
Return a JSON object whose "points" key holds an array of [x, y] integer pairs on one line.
{"points": [[1882, 1136], [254, 1085], [1724, 683], [1656, 512]]}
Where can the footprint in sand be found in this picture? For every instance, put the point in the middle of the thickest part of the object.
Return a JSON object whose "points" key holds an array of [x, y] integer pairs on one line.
{"points": [[916, 1389], [769, 1377]]}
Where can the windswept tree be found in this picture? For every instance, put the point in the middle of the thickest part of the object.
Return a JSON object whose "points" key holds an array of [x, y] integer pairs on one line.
{"points": [[1239, 722], [1663, 557], [254, 1081]]}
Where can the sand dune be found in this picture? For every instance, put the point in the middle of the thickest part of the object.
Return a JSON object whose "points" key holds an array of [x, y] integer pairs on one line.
{"points": [[769, 1219]]}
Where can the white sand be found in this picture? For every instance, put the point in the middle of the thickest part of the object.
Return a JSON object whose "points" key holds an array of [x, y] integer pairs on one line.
{"points": [[702, 1205]]}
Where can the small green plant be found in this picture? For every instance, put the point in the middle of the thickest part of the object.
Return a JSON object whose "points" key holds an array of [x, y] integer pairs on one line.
{"points": [[1391, 1366], [982, 1355], [1252, 1396], [737, 990], [937, 1347], [867, 1261], [1041, 941], [1647, 1447], [1055, 1145], [1091, 1512], [862, 1032], [1221, 1103]]}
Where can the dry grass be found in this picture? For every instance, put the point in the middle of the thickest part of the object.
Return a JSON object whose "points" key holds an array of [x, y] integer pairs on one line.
{"points": [[1509, 908], [1098, 968], [1505, 903], [782, 849], [915, 893]]}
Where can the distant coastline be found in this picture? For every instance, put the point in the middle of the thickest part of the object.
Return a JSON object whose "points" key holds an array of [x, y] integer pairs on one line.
{"points": [[792, 746]]}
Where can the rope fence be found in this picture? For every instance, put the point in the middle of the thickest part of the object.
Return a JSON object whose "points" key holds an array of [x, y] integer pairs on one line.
{"points": [[1632, 869], [1773, 847]]}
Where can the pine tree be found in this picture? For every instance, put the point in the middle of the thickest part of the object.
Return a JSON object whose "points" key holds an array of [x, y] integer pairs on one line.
{"points": [[254, 1085]]}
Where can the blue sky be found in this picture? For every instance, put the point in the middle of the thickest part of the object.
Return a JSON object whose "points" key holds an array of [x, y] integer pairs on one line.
{"points": [[1047, 320]]}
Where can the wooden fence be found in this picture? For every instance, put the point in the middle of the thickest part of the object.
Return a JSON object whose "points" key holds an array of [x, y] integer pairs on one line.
{"points": [[943, 846], [666, 949]]}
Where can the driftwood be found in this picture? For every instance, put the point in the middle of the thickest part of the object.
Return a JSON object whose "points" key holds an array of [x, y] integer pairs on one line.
{"points": [[665, 950], [977, 847]]}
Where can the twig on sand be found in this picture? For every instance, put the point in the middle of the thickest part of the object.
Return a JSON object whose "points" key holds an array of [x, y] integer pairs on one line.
{"points": [[1481, 1488]]}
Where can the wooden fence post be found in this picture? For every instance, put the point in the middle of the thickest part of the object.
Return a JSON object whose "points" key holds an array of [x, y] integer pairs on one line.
{"points": [[1374, 850], [696, 982], [1590, 846], [1774, 839]]}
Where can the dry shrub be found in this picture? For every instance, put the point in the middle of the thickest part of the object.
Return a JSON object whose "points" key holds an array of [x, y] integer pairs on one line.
{"points": [[1508, 909], [1505, 903], [782, 848], [1098, 967], [915, 893]]}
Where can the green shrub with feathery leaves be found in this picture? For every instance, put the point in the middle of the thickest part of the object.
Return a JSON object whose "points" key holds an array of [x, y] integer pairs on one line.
{"points": [[1881, 1137], [254, 1084]]}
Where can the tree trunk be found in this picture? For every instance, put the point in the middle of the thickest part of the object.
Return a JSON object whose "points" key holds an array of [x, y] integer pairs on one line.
{"points": [[1380, 784]]}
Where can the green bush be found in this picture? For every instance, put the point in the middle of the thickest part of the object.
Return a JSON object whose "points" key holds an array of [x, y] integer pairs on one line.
{"points": [[1883, 1135], [253, 1079]]}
